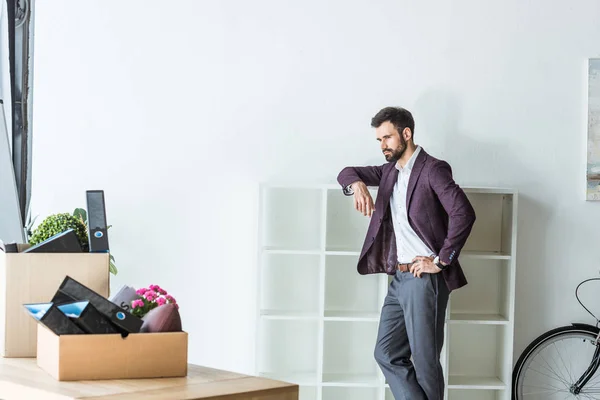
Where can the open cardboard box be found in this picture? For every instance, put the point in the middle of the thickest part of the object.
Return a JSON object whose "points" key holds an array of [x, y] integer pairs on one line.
{"points": [[111, 356], [33, 278]]}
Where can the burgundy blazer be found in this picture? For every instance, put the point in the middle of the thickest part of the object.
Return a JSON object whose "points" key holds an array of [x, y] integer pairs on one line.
{"points": [[438, 211]]}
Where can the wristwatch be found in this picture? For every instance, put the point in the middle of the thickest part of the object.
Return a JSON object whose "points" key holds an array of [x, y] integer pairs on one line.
{"points": [[439, 264]]}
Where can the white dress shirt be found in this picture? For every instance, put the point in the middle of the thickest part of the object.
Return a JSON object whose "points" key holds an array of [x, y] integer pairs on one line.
{"points": [[409, 245]]}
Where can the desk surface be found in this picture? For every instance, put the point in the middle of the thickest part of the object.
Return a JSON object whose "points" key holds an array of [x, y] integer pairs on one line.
{"points": [[20, 378]]}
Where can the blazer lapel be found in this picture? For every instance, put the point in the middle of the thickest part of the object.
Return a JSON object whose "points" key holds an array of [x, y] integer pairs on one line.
{"points": [[391, 179], [414, 176]]}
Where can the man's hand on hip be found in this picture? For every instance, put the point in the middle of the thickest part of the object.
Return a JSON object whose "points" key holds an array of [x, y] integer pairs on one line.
{"points": [[423, 264], [363, 201]]}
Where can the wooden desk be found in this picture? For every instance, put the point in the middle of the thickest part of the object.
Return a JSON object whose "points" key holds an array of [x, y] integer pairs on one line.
{"points": [[21, 379]]}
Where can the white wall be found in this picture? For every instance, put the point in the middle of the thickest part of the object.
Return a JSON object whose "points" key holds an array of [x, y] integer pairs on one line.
{"points": [[178, 111]]}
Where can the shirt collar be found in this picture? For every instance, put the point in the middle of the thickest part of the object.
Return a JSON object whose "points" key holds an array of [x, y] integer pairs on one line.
{"points": [[411, 162]]}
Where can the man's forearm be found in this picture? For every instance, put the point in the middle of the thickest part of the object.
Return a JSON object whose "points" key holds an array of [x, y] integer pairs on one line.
{"points": [[459, 229], [370, 176]]}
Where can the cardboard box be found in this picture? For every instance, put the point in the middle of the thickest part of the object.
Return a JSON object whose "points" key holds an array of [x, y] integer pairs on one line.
{"points": [[34, 278], [111, 356]]}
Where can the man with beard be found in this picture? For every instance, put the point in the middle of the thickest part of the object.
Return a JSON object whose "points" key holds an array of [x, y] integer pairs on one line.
{"points": [[420, 221]]}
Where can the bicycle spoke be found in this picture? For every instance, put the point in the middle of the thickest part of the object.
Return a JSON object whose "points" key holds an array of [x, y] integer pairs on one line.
{"points": [[596, 377], [551, 369], [591, 387], [564, 377], [570, 377], [541, 373], [545, 391], [589, 395], [595, 380]]}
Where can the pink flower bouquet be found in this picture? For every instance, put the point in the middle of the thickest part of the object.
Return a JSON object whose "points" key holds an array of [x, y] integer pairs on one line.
{"points": [[150, 298]]}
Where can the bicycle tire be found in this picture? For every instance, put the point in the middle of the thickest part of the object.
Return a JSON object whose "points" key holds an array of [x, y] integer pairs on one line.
{"points": [[540, 340]]}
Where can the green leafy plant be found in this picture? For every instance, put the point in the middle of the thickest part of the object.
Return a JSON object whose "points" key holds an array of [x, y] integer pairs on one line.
{"points": [[57, 223]]}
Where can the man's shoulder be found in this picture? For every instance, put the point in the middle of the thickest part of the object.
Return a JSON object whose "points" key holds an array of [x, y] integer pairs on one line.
{"points": [[388, 166], [431, 161]]}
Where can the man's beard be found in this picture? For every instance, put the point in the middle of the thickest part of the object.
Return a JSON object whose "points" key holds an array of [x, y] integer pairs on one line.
{"points": [[394, 155]]}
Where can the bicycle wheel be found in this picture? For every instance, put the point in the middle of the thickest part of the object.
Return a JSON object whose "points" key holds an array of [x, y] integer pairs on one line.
{"points": [[553, 362]]}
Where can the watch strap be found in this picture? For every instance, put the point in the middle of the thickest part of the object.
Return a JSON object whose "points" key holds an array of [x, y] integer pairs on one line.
{"points": [[439, 264]]}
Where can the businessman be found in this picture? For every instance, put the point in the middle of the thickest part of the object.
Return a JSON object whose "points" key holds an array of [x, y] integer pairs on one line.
{"points": [[420, 221]]}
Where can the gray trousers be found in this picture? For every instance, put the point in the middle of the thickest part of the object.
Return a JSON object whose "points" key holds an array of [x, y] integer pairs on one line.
{"points": [[412, 324]]}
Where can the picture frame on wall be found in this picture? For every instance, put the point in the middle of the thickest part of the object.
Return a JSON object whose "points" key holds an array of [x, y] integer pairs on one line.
{"points": [[593, 131]]}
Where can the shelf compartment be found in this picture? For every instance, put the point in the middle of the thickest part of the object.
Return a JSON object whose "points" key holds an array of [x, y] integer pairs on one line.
{"points": [[347, 293], [289, 350], [291, 252], [343, 253], [348, 354], [291, 218], [454, 394], [308, 393], [478, 356], [346, 227], [487, 295], [304, 380], [351, 316], [475, 382], [291, 315], [484, 255], [289, 285], [464, 318], [350, 380], [492, 230], [346, 393]]}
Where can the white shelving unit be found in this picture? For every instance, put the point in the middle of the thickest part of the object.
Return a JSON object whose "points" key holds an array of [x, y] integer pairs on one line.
{"points": [[318, 318]]}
